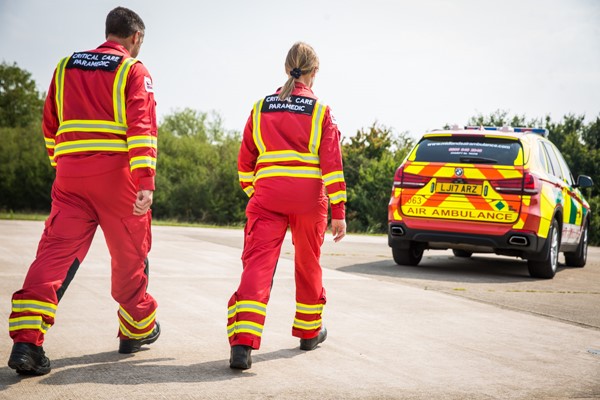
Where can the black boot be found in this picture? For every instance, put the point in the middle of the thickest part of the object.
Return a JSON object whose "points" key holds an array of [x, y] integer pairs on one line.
{"points": [[29, 359], [310, 344], [127, 346], [240, 357]]}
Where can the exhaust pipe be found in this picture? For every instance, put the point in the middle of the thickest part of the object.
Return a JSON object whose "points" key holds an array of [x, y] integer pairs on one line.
{"points": [[397, 231], [518, 240]]}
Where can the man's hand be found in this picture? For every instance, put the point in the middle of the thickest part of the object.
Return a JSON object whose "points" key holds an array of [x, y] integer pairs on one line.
{"points": [[142, 202], [338, 228]]}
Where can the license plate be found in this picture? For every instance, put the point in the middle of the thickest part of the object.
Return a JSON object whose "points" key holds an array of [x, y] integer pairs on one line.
{"points": [[458, 188]]}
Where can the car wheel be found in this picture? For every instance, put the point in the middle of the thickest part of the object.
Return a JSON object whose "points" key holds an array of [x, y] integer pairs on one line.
{"points": [[411, 256], [579, 257], [546, 268], [462, 253]]}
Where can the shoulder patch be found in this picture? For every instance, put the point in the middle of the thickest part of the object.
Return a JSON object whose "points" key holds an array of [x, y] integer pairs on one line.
{"points": [[94, 61], [148, 84], [333, 120], [294, 104]]}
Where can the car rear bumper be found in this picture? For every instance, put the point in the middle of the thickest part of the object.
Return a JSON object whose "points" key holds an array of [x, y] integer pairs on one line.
{"points": [[517, 243]]}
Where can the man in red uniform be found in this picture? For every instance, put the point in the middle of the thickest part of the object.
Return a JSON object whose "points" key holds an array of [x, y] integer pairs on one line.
{"points": [[100, 130], [290, 165]]}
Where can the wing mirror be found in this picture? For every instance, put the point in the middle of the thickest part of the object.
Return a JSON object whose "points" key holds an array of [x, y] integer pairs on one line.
{"points": [[584, 181]]}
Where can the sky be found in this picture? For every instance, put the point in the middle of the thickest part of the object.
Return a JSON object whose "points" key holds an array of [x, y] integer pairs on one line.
{"points": [[410, 66]]}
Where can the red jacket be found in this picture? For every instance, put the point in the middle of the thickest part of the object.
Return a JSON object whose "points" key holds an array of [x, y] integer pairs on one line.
{"points": [[102, 101], [291, 149]]}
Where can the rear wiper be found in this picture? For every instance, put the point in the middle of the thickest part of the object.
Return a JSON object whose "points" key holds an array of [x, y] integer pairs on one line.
{"points": [[478, 160]]}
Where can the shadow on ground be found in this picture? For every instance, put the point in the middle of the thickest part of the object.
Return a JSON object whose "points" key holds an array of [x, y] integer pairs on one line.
{"points": [[118, 369], [447, 268]]}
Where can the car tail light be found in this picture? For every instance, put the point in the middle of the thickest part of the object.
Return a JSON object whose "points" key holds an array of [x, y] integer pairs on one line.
{"points": [[528, 184], [531, 184], [409, 181]]}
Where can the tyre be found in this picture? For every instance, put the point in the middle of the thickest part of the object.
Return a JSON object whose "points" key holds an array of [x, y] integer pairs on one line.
{"points": [[546, 268], [578, 258], [411, 256], [462, 253]]}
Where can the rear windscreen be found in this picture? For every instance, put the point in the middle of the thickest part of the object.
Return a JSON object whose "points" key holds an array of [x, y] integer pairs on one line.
{"points": [[470, 150]]}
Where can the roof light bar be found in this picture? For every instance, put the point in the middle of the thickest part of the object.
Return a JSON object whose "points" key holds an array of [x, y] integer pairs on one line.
{"points": [[539, 131]]}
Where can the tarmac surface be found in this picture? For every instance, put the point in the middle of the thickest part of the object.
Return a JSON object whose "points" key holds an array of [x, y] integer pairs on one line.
{"points": [[451, 328]]}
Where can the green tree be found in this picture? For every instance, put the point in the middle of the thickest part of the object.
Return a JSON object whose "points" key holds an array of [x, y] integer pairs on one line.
{"points": [[20, 101], [370, 160], [197, 170], [501, 118], [25, 173], [591, 134]]}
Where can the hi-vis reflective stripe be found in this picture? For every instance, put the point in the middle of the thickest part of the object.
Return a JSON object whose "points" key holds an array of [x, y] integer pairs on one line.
{"points": [[333, 177], [245, 327], [132, 335], [141, 141], [338, 197], [59, 83], [90, 145], [119, 90], [40, 307], [316, 131], [309, 308], [249, 190], [295, 172], [316, 128], [30, 322], [80, 125], [287, 155], [306, 325], [118, 126], [246, 176], [50, 144], [247, 306], [260, 145], [142, 162], [137, 324]]}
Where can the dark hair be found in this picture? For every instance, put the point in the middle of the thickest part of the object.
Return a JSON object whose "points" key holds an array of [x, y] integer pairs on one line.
{"points": [[122, 22]]}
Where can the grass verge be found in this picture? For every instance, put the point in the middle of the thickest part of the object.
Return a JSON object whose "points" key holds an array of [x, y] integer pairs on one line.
{"points": [[19, 216]]}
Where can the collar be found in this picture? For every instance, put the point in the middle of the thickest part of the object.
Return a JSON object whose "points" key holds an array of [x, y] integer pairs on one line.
{"points": [[299, 89], [115, 46], [299, 86]]}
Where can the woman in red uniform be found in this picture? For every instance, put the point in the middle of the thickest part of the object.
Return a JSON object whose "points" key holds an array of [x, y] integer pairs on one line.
{"points": [[290, 165]]}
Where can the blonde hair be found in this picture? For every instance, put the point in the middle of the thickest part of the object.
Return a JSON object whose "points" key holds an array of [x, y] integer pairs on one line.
{"points": [[301, 59]]}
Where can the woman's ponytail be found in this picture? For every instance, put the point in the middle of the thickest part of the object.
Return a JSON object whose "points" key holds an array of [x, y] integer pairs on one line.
{"points": [[301, 59]]}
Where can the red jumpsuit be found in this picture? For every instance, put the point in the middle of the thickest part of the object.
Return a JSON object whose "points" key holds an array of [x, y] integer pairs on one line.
{"points": [[289, 164], [100, 130]]}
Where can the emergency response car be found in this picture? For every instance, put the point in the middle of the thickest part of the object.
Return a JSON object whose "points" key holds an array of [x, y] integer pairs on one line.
{"points": [[496, 190]]}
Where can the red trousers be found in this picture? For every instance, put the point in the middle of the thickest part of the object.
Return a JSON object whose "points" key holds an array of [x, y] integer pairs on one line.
{"points": [[264, 233], [87, 192]]}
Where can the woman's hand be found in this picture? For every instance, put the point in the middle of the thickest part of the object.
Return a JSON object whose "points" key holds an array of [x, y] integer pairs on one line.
{"points": [[338, 228]]}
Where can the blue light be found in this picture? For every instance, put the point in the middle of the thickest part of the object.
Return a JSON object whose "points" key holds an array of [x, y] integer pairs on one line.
{"points": [[540, 131]]}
